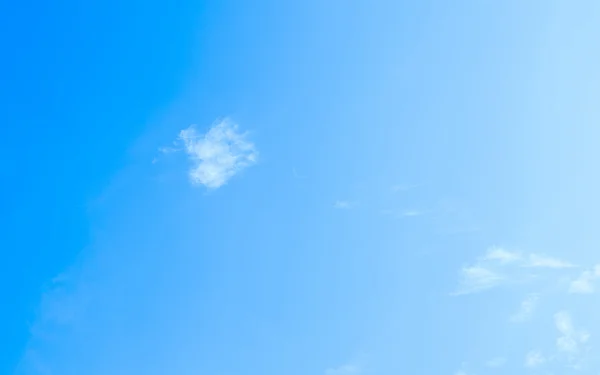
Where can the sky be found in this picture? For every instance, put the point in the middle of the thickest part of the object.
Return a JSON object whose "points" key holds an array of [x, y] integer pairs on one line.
{"points": [[327, 188]]}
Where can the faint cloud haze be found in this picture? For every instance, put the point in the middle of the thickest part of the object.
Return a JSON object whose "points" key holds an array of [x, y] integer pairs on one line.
{"points": [[526, 309], [347, 369], [571, 339], [343, 205], [496, 362], [534, 359]]}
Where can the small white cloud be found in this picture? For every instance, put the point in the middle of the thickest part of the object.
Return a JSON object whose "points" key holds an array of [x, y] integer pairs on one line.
{"points": [[502, 256], [534, 359], [343, 205], [347, 369], [542, 261], [584, 284], [217, 155], [477, 278], [526, 309], [496, 362]]}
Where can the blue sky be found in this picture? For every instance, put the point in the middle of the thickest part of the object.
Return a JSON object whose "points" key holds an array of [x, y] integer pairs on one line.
{"points": [[329, 188]]}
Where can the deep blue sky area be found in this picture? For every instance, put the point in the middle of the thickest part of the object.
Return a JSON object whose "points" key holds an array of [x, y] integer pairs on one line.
{"points": [[79, 82], [330, 188]]}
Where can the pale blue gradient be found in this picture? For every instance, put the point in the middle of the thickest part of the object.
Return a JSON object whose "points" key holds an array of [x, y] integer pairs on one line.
{"points": [[447, 128]]}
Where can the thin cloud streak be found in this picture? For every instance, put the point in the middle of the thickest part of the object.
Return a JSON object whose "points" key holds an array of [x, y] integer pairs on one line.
{"points": [[412, 213], [542, 261], [500, 266]]}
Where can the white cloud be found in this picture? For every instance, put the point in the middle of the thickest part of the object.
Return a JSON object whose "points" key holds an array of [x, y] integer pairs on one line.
{"points": [[534, 359], [502, 256], [217, 155], [477, 278], [571, 339], [542, 261], [584, 284], [496, 362], [347, 369], [526, 309]]}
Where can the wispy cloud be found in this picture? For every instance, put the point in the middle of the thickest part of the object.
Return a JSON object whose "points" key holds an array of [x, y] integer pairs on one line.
{"points": [[542, 261], [526, 309], [484, 273], [584, 284], [477, 278], [570, 339], [347, 369], [496, 362], [62, 306], [217, 155], [62, 302], [500, 266], [534, 359], [168, 150], [502, 256]]}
